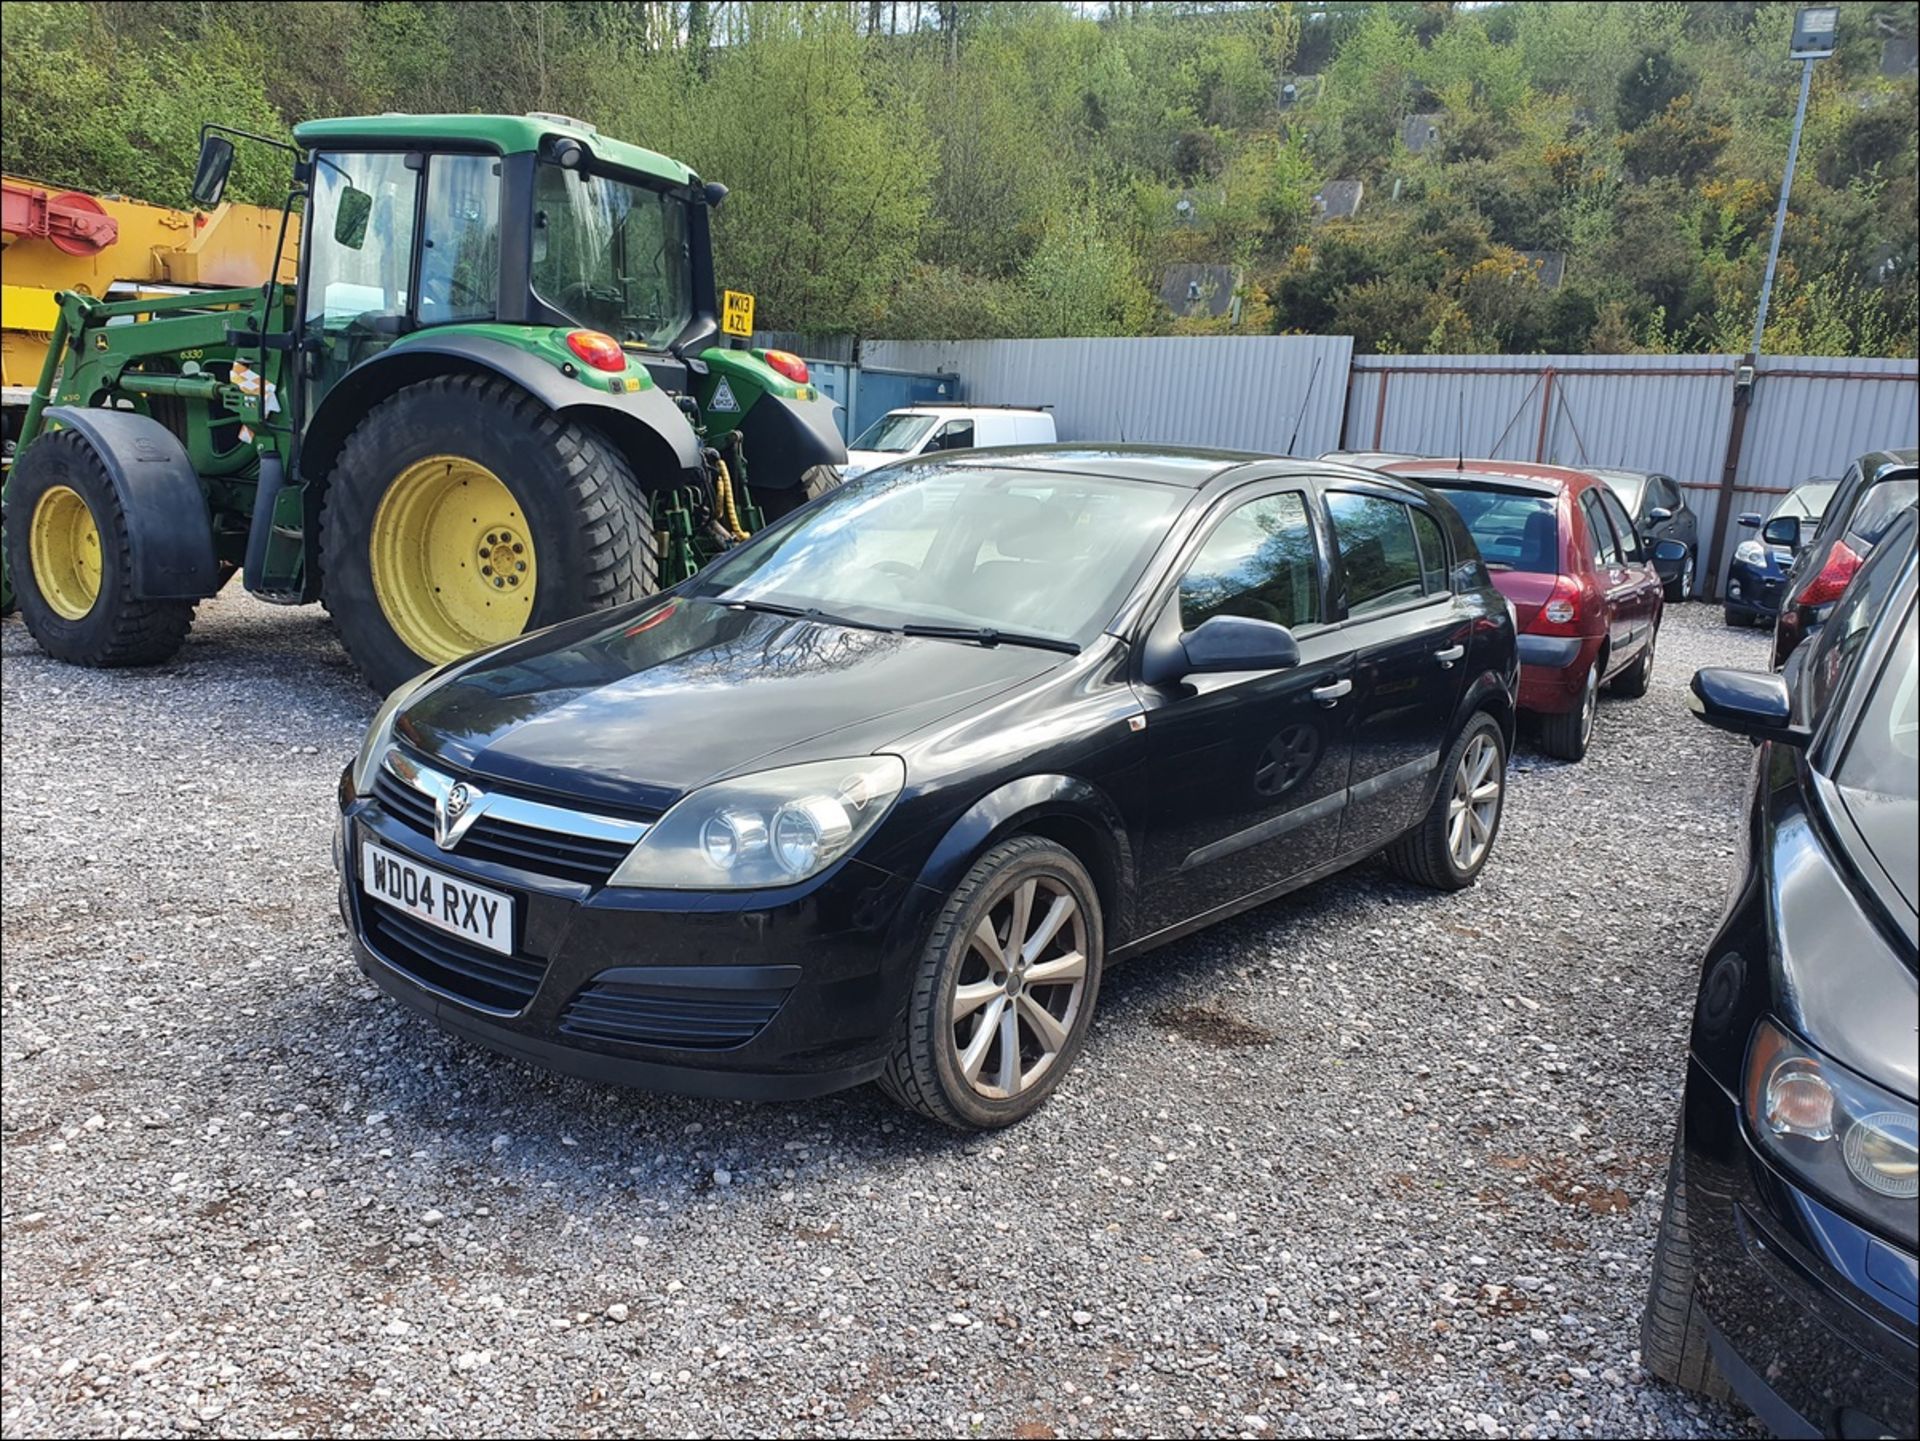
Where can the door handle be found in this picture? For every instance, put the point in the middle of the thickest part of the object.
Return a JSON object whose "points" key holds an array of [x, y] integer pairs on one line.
{"points": [[1448, 656], [1330, 693]]}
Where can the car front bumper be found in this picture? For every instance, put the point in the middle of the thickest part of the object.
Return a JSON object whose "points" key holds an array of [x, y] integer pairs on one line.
{"points": [[749, 995], [1553, 671], [1812, 1316], [1755, 591]]}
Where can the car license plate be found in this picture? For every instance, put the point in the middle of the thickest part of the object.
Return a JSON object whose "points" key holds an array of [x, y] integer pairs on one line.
{"points": [[473, 913]]}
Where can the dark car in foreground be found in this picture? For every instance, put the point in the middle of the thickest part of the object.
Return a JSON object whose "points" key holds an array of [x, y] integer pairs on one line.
{"points": [[1659, 511], [1585, 593], [1875, 488], [879, 793], [1785, 1267], [1757, 574]]}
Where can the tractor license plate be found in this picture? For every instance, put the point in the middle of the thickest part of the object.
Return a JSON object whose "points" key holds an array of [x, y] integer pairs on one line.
{"points": [[473, 913]]}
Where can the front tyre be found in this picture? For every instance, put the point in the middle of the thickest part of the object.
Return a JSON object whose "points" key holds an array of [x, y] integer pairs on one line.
{"points": [[70, 558], [1005, 989], [1673, 1331], [1452, 842], [1633, 683], [462, 513]]}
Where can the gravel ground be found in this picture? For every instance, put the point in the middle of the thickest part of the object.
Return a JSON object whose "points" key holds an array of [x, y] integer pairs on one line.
{"points": [[1367, 1160]]}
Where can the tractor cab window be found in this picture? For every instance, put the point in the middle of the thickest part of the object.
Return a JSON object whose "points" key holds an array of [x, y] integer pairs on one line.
{"points": [[359, 247], [612, 256], [460, 242]]}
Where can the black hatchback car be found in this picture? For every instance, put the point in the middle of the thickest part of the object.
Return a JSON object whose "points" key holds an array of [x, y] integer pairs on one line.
{"points": [[1785, 1268], [1665, 521], [1875, 488], [879, 793]]}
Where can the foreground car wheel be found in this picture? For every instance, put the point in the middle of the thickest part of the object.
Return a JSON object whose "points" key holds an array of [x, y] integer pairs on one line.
{"points": [[1449, 847], [1566, 737], [1005, 989], [1673, 1336]]}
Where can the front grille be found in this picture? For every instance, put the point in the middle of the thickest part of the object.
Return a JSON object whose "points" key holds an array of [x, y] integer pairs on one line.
{"points": [[447, 963], [527, 848], [684, 1018]]}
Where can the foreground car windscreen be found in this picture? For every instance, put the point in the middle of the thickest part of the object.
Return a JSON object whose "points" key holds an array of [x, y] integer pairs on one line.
{"points": [[1038, 553], [1515, 530]]}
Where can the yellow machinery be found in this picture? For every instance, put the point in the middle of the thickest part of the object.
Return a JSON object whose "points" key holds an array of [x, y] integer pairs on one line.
{"points": [[110, 246]]}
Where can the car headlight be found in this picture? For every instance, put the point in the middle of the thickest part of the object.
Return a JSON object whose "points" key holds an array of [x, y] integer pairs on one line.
{"points": [[768, 829], [1837, 1132], [1750, 552], [380, 732]]}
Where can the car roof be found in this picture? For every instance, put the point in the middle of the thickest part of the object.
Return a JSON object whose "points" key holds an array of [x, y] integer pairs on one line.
{"points": [[1512, 474], [1190, 467], [967, 410], [1876, 463]]}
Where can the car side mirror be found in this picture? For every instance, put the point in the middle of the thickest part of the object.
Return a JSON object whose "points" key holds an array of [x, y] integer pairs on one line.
{"points": [[350, 220], [210, 175], [1783, 530], [1747, 702], [1238, 642], [1669, 552], [1659, 515], [1750, 519]]}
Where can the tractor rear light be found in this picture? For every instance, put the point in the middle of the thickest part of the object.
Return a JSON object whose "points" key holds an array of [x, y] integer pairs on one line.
{"points": [[598, 349], [1561, 614], [788, 364], [1833, 577]]}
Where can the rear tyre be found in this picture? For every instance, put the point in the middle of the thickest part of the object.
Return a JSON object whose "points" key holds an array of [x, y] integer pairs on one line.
{"points": [[462, 513], [70, 558], [1566, 737], [1005, 989], [1452, 842], [1673, 1332], [814, 483], [1632, 683], [1681, 586]]}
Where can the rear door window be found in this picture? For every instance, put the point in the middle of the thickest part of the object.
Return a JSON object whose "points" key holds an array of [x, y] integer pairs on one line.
{"points": [[1377, 551], [1600, 539], [1623, 528], [1433, 551]]}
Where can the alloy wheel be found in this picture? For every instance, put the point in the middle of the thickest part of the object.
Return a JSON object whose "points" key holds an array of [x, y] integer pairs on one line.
{"points": [[1475, 805], [1686, 577], [1019, 989], [1589, 704]]}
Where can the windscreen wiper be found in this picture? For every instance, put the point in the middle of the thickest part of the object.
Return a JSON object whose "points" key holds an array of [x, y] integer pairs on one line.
{"points": [[987, 635], [806, 612]]}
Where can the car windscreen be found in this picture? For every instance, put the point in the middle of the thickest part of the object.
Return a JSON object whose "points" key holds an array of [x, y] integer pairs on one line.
{"points": [[1808, 502], [1879, 775], [896, 434], [1515, 529], [1040, 553]]}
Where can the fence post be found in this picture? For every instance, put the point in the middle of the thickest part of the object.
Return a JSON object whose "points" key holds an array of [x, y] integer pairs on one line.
{"points": [[1723, 518], [1546, 410], [1380, 410]]}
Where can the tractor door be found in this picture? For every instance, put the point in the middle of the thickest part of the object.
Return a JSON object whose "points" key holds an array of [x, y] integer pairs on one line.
{"points": [[358, 263]]}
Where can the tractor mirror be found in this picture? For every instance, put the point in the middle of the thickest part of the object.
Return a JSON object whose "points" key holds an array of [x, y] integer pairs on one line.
{"points": [[210, 175], [350, 220]]}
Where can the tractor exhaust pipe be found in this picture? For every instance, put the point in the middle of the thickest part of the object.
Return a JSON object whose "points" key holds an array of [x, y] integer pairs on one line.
{"points": [[273, 479]]}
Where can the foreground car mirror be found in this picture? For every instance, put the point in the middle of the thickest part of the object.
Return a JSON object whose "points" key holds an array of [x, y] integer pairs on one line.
{"points": [[1748, 703], [1236, 642], [1783, 530]]}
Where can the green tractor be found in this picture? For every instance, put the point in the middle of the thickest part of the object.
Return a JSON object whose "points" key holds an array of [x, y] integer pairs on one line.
{"points": [[495, 398]]}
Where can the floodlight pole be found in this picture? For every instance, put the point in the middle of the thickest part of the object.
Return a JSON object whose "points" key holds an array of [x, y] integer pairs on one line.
{"points": [[1780, 215]]}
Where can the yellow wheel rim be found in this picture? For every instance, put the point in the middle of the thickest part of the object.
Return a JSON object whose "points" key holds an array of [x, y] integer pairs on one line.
{"points": [[64, 545], [453, 562]]}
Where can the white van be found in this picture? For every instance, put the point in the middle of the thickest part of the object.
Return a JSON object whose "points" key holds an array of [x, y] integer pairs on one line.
{"points": [[922, 429]]}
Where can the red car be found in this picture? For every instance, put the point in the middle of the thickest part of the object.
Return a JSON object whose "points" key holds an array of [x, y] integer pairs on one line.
{"points": [[1586, 598]]}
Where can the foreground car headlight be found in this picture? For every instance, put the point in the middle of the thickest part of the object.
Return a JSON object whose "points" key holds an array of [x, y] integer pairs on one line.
{"points": [[380, 732], [1750, 552], [1836, 1132], [768, 829]]}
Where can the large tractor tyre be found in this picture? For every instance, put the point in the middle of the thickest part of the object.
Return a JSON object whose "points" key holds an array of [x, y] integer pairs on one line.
{"points": [[816, 482], [70, 559], [461, 513]]}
